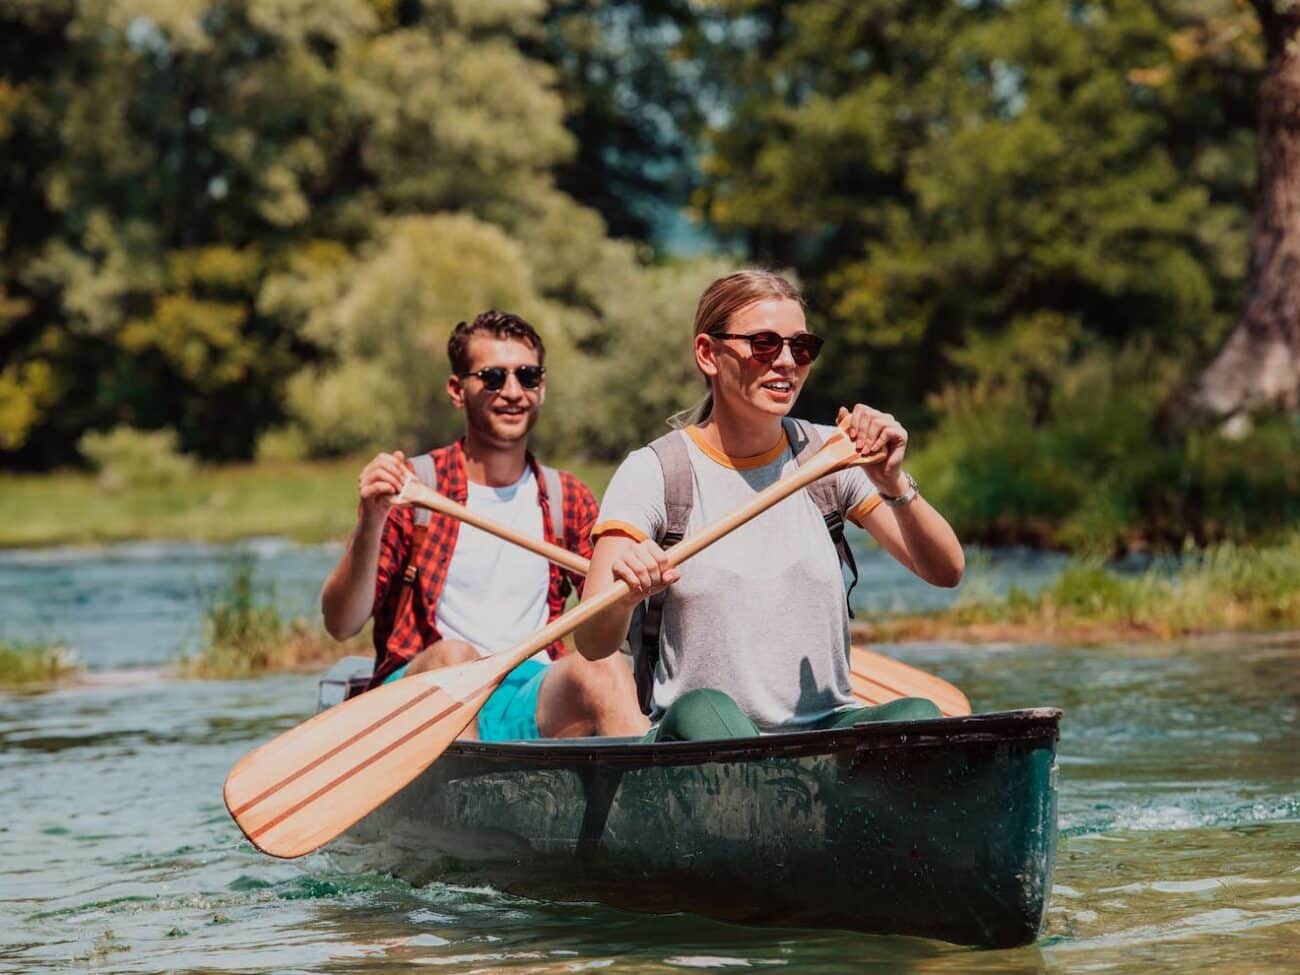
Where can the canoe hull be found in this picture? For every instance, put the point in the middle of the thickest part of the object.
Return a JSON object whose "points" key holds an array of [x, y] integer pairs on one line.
{"points": [[942, 829]]}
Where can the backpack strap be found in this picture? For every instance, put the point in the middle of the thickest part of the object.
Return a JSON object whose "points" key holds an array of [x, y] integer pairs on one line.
{"points": [[554, 489], [679, 499], [428, 474], [806, 440]]}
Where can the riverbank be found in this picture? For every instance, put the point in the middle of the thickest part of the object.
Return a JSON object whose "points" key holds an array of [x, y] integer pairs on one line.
{"points": [[307, 501], [1221, 589]]}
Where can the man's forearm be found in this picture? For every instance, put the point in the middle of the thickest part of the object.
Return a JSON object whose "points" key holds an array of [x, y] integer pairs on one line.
{"points": [[348, 595]]}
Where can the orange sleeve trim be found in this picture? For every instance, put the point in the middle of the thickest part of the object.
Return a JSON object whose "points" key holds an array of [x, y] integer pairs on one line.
{"points": [[864, 508], [619, 528]]}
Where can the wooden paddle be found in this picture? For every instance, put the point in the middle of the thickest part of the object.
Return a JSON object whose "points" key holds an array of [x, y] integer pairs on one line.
{"points": [[416, 492], [875, 678], [300, 790]]}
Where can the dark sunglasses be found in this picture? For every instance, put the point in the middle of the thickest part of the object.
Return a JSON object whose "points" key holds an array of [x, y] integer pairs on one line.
{"points": [[766, 346], [494, 377]]}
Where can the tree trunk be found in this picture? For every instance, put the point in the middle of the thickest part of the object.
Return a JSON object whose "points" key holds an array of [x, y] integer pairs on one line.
{"points": [[1258, 367]]}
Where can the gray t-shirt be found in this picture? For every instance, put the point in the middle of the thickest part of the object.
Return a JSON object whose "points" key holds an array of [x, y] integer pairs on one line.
{"points": [[760, 614]]}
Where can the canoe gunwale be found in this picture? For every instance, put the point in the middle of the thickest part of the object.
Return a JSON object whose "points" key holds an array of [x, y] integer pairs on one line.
{"points": [[1002, 727]]}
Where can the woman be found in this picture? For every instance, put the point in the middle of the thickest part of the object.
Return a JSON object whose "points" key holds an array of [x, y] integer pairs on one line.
{"points": [[754, 633]]}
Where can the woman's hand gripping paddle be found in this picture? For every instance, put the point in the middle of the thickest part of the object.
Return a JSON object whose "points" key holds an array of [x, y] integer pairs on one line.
{"points": [[298, 791], [875, 678]]}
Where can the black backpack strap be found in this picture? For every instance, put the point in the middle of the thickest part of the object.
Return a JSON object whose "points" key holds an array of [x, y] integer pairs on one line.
{"points": [[679, 499], [805, 440]]}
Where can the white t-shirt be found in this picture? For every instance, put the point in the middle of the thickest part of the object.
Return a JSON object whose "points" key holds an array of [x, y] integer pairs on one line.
{"points": [[495, 594], [760, 614]]}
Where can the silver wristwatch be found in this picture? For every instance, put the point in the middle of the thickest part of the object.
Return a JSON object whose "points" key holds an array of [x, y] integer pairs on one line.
{"points": [[904, 498]]}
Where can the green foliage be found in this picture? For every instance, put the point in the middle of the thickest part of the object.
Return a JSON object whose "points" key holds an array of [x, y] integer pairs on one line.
{"points": [[1223, 587], [282, 444], [242, 630], [27, 666], [631, 88], [1052, 443], [246, 634], [940, 172], [133, 458], [648, 373], [241, 215], [310, 502]]}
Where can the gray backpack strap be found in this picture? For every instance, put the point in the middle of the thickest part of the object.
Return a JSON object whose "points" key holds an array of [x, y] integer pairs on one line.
{"points": [[805, 440], [554, 488], [425, 471], [679, 499]]}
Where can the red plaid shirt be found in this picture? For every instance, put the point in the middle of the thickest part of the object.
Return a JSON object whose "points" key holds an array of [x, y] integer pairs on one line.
{"points": [[405, 613]]}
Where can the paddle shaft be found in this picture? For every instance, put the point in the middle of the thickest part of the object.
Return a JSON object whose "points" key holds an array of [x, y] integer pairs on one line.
{"points": [[418, 493]]}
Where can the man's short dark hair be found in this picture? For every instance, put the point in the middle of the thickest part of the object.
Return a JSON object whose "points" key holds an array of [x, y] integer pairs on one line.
{"points": [[498, 324]]}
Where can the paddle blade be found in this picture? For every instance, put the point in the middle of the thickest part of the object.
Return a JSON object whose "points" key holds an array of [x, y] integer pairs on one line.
{"points": [[877, 679], [298, 791]]}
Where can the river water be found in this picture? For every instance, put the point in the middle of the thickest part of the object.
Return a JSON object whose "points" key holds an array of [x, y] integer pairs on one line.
{"points": [[1180, 805]]}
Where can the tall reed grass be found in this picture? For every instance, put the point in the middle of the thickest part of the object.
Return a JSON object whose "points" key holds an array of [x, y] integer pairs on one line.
{"points": [[247, 634], [34, 666]]}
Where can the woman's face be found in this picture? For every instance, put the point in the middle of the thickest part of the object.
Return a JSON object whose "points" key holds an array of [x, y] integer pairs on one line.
{"points": [[741, 381]]}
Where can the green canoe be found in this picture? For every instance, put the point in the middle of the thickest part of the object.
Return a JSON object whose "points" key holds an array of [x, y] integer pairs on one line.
{"points": [[940, 829]]}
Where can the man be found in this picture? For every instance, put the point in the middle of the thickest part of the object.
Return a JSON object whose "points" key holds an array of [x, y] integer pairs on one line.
{"points": [[456, 593]]}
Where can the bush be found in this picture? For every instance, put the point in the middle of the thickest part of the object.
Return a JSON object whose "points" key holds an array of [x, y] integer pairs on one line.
{"points": [[130, 458], [246, 634], [29, 665], [282, 444], [1062, 451]]}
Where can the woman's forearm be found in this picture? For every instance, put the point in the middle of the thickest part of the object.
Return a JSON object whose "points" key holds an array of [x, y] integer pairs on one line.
{"points": [[933, 546], [604, 634], [921, 539]]}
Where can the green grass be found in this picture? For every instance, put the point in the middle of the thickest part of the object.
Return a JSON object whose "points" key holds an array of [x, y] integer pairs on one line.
{"points": [[305, 501], [1222, 588], [30, 666], [248, 635]]}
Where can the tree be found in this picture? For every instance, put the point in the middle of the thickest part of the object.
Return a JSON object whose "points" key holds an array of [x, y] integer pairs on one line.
{"points": [[940, 171], [195, 195], [632, 102], [1257, 368]]}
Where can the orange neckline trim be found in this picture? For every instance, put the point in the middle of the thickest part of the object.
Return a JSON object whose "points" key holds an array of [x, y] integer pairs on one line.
{"points": [[736, 463]]}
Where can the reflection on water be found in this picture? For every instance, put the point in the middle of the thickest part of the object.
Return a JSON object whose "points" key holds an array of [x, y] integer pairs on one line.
{"points": [[1179, 814]]}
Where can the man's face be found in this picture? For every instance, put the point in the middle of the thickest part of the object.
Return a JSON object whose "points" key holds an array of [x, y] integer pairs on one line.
{"points": [[501, 417]]}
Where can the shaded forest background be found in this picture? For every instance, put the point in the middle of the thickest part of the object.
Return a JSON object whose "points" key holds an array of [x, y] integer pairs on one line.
{"points": [[249, 225]]}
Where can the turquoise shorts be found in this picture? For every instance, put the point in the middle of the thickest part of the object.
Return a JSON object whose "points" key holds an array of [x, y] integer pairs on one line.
{"points": [[510, 714]]}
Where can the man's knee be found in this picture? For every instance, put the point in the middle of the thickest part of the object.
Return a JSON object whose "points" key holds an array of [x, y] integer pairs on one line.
{"points": [[597, 682], [444, 653]]}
